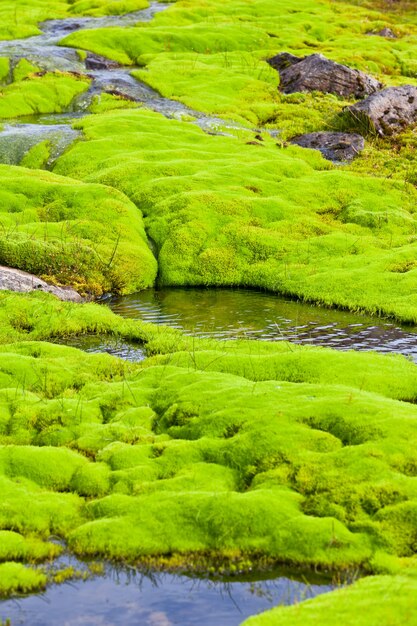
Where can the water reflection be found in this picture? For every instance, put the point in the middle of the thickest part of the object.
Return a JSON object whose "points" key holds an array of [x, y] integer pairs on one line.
{"points": [[132, 598], [98, 345], [231, 314]]}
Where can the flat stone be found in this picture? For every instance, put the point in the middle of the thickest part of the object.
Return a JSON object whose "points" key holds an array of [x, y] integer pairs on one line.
{"points": [[337, 147], [316, 73], [17, 280], [387, 112], [97, 62]]}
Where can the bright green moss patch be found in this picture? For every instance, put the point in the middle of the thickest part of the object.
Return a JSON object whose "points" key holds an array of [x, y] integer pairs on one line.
{"points": [[211, 55], [20, 19], [4, 69], [14, 546], [38, 156], [96, 8], [16, 578], [388, 600], [222, 212], [134, 461], [88, 236], [49, 93], [107, 102], [23, 69]]}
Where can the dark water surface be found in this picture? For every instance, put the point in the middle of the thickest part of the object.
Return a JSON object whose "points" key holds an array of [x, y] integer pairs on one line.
{"points": [[127, 598], [232, 314]]}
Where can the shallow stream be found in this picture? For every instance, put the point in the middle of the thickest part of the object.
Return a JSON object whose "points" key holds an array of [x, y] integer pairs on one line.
{"points": [[246, 314], [45, 51]]}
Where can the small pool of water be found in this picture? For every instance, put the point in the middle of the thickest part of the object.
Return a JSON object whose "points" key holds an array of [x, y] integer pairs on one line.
{"points": [[238, 314], [98, 345], [130, 598]]}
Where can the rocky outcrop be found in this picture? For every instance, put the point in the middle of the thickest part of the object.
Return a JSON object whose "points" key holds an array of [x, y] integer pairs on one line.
{"points": [[97, 62], [316, 73], [337, 147], [16, 280], [387, 112]]}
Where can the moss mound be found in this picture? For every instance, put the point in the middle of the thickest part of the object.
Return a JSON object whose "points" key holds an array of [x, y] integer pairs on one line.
{"points": [[384, 600], [20, 18], [87, 236], [212, 56], [222, 212], [132, 461], [31, 94]]}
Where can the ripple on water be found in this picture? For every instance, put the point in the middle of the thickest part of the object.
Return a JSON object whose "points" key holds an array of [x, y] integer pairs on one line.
{"points": [[237, 314]]}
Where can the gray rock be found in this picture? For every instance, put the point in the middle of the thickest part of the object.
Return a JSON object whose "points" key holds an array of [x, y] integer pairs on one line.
{"points": [[385, 32], [97, 62], [316, 73], [16, 280], [387, 112], [337, 147]]}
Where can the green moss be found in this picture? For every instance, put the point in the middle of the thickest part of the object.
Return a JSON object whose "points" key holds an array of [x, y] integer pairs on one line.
{"points": [[262, 451], [16, 578], [49, 93], [380, 600], [14, 546], [222, 212], [170, 457], [107, 102], [20, 19], [23, 69], [87, 236], [221, 69], [38, 156], [4, 69]]}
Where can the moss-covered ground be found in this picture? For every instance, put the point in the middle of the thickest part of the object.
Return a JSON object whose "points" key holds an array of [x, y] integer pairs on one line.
{"points": [[32, 94], [244, 453], [222, 212], [236, 453], [85, 235], [20, 18]]}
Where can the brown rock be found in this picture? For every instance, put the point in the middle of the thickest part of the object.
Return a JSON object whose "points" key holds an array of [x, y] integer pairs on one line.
{"points": [[387, 112], [16, 280], [316, 73], [97, 62], [337, 147]]}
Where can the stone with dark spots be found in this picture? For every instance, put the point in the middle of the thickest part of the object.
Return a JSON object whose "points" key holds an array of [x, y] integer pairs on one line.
{"points": [[97, 62], [316, 73], [387, 112], [385, 32], [337, 147], [16, 280]]}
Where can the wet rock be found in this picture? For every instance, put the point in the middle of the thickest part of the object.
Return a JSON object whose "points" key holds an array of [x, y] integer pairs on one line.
{"points": [[387, 112], [385, 32], [121, 95], [337, 147], [97, 62], [16, 280], [316, 73]]}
